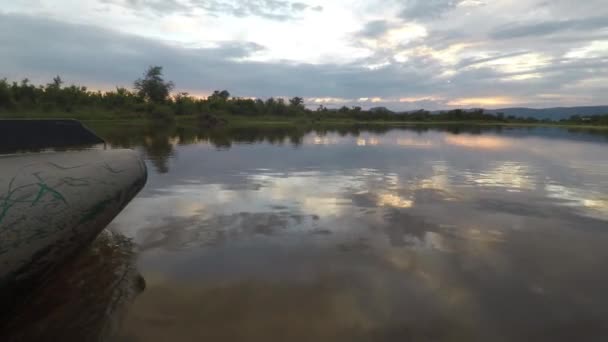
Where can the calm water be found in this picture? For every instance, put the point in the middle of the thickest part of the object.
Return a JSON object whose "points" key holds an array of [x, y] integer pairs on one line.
{"points": [[446, 234]]}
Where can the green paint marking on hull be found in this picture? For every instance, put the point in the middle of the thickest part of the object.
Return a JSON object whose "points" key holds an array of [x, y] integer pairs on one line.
{"points": [[109, 168], [66, 167], [96, 210]]}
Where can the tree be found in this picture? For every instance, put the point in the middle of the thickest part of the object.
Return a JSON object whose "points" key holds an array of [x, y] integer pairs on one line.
{"points": [[296, 101], [56, 85], [217, 95], [344, 110], [184, 104], [6, 97], [152, 87]]}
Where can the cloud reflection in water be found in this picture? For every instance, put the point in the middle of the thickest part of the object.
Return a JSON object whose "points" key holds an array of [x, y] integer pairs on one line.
{"points": [[375, 236]]}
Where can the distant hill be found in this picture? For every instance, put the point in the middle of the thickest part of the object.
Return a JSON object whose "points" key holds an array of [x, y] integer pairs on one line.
{"points": [[557, 113]]}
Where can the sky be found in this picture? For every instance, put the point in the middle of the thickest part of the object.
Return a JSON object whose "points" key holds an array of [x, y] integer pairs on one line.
{"points": [[401, 54]]}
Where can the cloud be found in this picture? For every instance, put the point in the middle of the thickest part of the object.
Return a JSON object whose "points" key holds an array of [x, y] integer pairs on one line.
{"points": [[382, 35], [157, 6], [431, 9], [268, 9], [476, 61], [82, 53], [298, 6], [375, 29], [521, 30], [426, 8], [398, 63]]}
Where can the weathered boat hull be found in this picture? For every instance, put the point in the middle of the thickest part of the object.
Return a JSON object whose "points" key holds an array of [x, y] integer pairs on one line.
{"points": [[54, 204]]}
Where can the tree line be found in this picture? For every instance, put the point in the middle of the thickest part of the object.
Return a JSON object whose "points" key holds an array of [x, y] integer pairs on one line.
{"points": [[151, 97]]}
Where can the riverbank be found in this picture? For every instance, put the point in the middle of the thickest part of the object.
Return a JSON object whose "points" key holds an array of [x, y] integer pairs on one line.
{"points": [[330, 121], [233, 120]]}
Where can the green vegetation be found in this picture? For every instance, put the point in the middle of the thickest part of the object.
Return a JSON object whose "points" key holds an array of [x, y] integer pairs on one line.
{"points": [[151, 99], [591, 120]]}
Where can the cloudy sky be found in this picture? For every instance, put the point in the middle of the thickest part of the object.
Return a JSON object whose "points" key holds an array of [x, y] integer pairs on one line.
{"points": [[404, 54]]}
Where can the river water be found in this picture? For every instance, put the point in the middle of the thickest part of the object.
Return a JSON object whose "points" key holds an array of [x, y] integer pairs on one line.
{"points": [[368, 234]]}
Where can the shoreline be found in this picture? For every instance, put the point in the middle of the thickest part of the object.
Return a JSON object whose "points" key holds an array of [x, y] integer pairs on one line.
{"points": [[301, 121]]}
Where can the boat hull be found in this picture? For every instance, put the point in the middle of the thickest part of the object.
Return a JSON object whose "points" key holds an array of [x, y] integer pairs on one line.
{"points": [[52, 205]]}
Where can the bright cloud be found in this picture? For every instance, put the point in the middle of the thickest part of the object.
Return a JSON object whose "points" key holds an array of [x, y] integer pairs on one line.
{"points": [[482, 102]]}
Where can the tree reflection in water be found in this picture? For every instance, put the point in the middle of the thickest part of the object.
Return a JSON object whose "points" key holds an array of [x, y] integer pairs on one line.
{"points": [[158, 140], [85, 300]]}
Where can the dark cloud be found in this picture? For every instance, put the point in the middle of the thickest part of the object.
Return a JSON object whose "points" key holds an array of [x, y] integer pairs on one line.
{"points": [[375, 29], [427, 9], [521, 30], [157, 6], [83, 53], [475, 61], [269, 9], [42, 48], [298, 6]]}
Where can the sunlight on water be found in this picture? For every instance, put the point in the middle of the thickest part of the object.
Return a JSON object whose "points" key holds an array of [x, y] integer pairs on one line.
{"points": [[508, 175]]}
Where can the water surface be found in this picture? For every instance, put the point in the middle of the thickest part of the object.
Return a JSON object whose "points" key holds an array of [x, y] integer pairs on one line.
{"points": [[369, 234]]}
